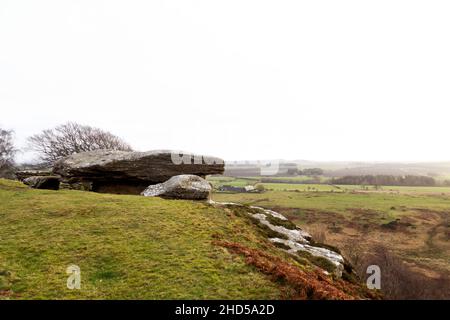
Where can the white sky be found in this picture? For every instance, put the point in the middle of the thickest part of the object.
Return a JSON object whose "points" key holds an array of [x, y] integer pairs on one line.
{"points": [[322, 80]]}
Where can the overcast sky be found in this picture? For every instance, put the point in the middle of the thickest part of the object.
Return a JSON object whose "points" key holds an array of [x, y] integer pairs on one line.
{"points": [[319, 80]]}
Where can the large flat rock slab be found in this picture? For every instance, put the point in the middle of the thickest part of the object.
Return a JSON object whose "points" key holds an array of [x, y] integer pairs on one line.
{"points": [[131, 172]]}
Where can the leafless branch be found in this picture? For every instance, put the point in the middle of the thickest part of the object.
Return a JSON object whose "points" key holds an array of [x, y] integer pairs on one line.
{"points": [[70, 138]]}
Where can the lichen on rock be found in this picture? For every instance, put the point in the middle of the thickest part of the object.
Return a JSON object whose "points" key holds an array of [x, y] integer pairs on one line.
{"points": [[293, 240], [185, 186]]}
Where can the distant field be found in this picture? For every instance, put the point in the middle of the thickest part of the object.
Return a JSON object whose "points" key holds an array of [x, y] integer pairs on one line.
{"points": [[295, 186], [237, 182], [296, 179], [386, 205], [418, 190], [350, 188], [301, 187]]}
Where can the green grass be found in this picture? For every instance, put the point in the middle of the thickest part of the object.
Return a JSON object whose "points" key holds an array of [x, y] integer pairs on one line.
{"points": [[236, 182], [386, 206], [292, 179], [386, 203], [417, 190], [127, 247], [351, 188], [301, 187], [296, 185]]}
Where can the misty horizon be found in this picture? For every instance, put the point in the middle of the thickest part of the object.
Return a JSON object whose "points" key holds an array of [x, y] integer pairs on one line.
{"points": [[26, 155]]}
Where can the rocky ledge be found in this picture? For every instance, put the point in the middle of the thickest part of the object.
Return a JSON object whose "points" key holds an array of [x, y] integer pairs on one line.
{"points": [[286, 235]]}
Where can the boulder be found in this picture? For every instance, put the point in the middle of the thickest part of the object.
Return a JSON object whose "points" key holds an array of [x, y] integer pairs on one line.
{"points": [[128, 172], [42, 182], [185, 186]]}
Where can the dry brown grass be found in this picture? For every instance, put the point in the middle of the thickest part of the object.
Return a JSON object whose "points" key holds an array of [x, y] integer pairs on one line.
{"points": [[319, 234], [398, 279], [401, 278], [299, 284]]}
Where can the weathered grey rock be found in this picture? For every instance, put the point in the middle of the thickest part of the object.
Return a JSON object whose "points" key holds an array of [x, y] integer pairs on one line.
{"points": [[42, 182], [23, 174], [293, 239], [185, 186], [131, 172], [80, 186]]}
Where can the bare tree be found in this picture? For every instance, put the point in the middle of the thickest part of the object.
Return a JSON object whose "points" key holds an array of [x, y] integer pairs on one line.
{"points": [[7, 152], [70, 138]]}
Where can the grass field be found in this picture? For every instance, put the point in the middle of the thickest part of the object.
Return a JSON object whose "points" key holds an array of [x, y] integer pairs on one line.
{"points": [[295, 186], [412, 221], [237, 182], [301, 187], [293, 179]]}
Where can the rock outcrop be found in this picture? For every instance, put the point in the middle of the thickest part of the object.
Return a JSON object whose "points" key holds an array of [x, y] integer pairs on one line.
{"points": [[290, 237], [23, 174], [186, 186], [42, 182], [131, 172]]}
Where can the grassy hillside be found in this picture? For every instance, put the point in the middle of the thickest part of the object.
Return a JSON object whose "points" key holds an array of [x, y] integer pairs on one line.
{"points": [[132, 247]]}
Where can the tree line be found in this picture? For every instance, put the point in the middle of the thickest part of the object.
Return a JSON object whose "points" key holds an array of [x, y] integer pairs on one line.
{"points": [[310, 172], [386, 180]]}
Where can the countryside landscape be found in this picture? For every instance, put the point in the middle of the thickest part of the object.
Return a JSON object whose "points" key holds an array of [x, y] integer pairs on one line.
{"points": [[301, 233], [225, 159]]}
